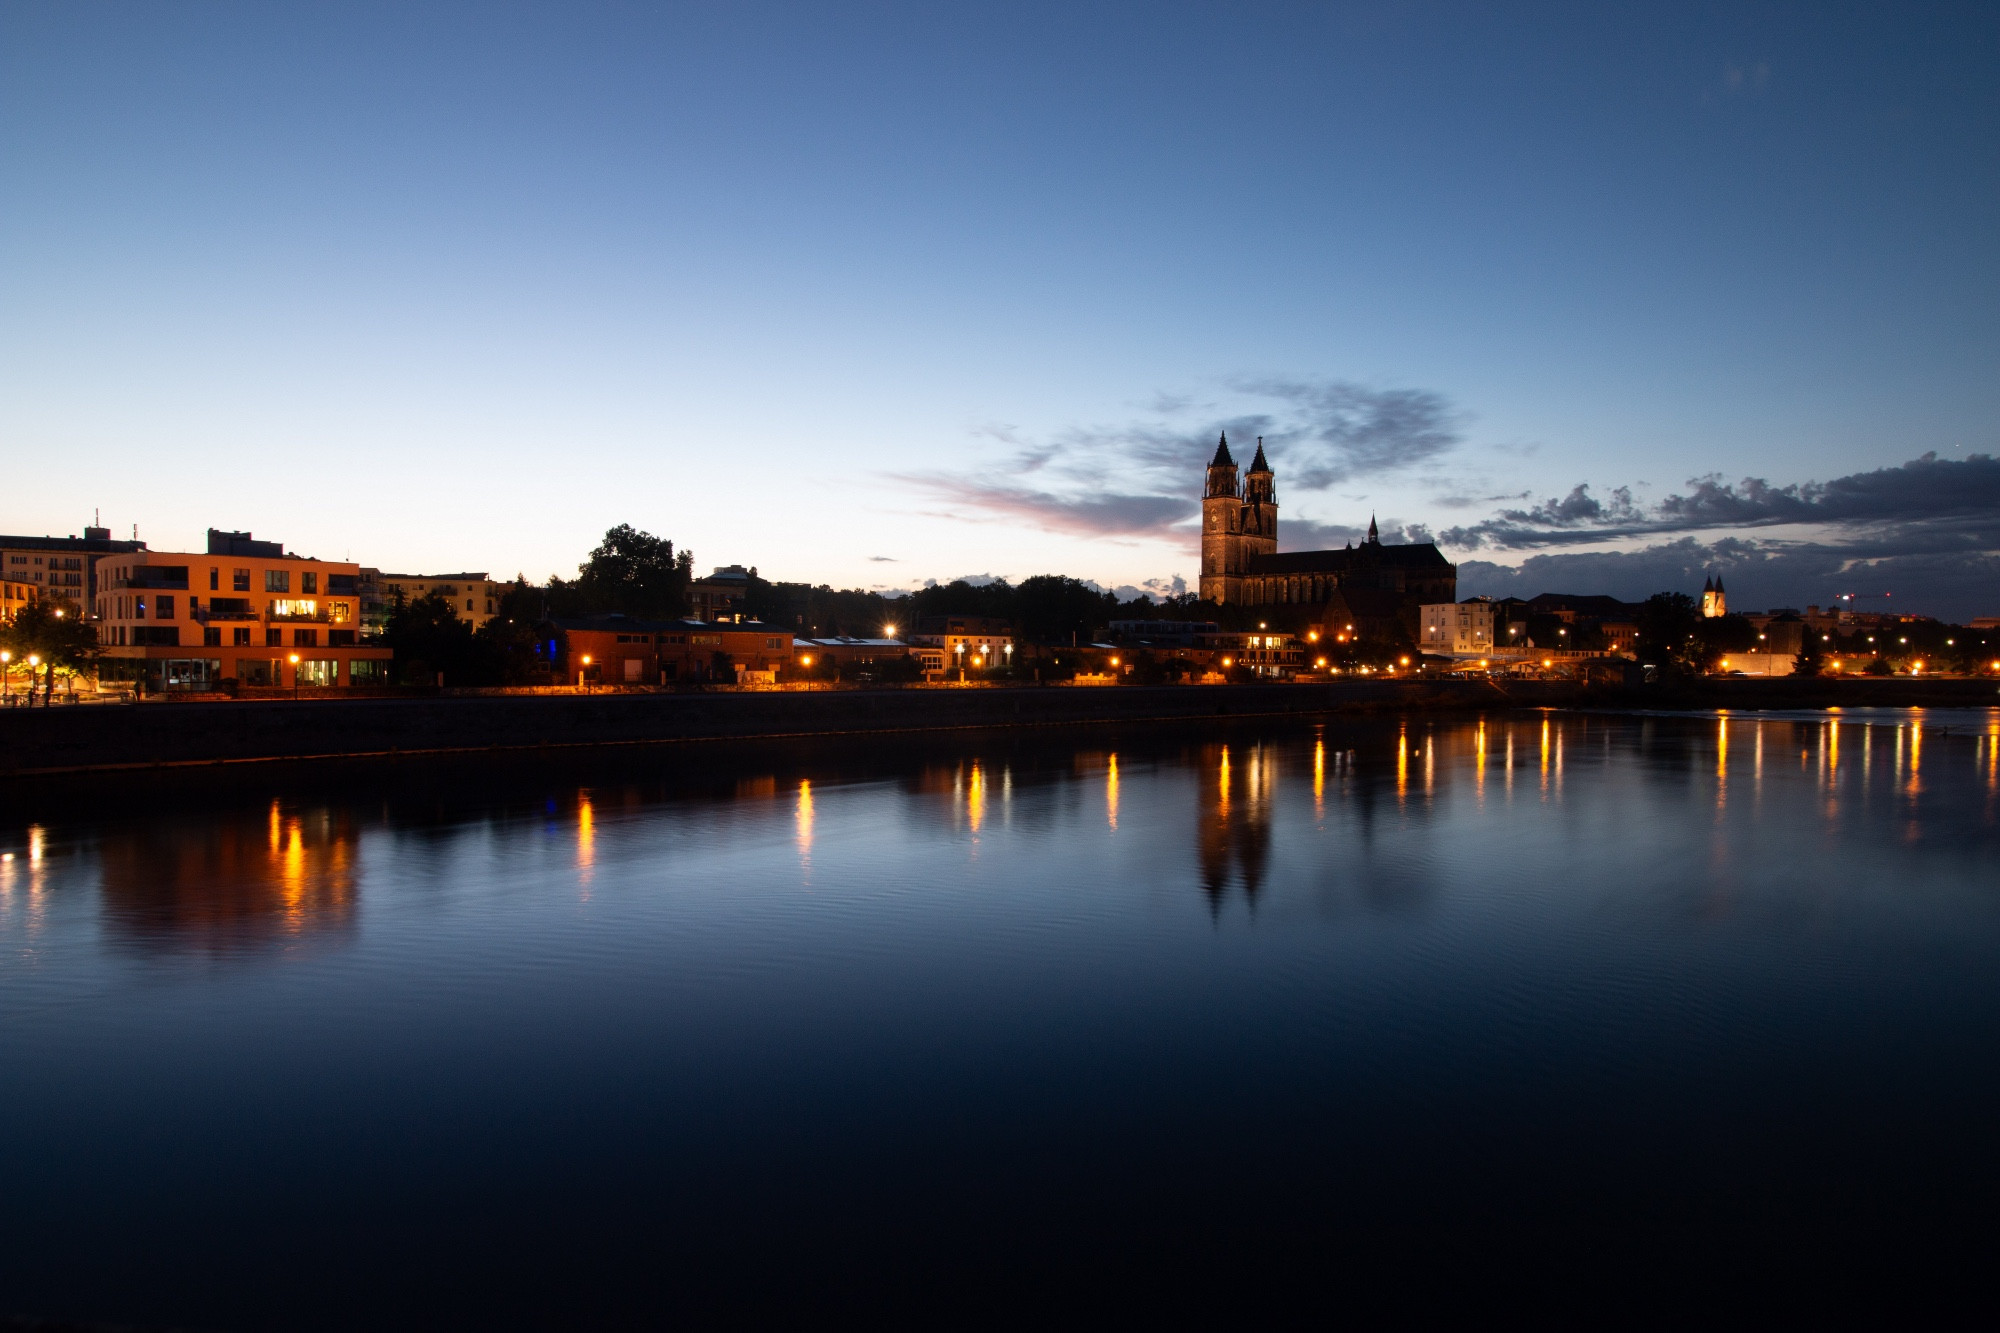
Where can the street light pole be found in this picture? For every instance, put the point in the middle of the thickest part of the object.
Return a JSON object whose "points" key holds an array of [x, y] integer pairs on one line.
{"points": [[295, 677], [6, 670]]}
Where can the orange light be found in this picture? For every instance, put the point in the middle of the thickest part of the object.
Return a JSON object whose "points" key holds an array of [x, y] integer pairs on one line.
{"points": [[295, 659], [1312, 636], [1230, 661], [1114, 661], [1406, 661], [586, 659], [803, 661]]}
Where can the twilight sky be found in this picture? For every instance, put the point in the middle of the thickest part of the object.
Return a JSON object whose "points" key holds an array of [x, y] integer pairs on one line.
{"points": [[874, 294]]}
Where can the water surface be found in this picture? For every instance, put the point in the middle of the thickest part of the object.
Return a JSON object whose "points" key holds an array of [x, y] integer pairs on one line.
{"points": [[723, 1028]]}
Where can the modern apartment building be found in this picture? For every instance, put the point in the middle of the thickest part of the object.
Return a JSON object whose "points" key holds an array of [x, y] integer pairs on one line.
{"points": [[474, 597], [61, 566], [244, 610]]}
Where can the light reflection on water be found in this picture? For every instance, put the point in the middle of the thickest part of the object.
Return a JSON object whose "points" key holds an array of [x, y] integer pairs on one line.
{"points": [[1029, 961]]}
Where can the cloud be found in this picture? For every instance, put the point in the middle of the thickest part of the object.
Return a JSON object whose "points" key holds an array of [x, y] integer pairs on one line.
{"points": [[1141, 478], [883, 560], [1345, 430], [1927, 502], [1084, 515], [1952, 585]]}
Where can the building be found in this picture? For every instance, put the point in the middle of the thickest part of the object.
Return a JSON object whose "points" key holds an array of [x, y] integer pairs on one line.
{"points": [[61, 566], [242, 611], [723, 597], [1714, 602], [618, 649], [14, 597], [1458, 629], [1241, 564], [474, 598], [849, 654], [944, 644]]}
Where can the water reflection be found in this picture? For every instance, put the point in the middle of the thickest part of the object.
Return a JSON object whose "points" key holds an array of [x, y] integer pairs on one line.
{"points": [[1233, 819], [231, 883]]}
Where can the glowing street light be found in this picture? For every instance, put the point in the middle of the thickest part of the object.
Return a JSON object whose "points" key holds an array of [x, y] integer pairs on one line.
{"points": [[889, 631], [581, 670], [295, 675]]}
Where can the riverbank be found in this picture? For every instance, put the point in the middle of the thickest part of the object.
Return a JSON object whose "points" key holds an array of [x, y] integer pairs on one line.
{"points": [[194, 736]]}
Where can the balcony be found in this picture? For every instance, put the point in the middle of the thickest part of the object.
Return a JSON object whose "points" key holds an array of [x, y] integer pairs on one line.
{"points": [[319, 617], [207, 615]]}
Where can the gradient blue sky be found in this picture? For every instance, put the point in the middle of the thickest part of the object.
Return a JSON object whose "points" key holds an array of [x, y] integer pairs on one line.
{"points": [[874, 294]]}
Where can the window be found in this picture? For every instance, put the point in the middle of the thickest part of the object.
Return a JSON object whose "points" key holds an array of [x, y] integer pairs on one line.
{"points": [[360, 672], [161, 636], [274, 638], [242, 636], [339, 612], [309, 582], [239, 580], [340, 638], [277, 580], [305, 638], [317, 673], [211, 636], [138, 608], [468, 603], [257, 671], [190, 673], [214, 579], [163, 608]]}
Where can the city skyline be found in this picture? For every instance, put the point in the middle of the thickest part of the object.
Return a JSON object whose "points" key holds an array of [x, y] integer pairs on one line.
{"points": [[874, 299]]}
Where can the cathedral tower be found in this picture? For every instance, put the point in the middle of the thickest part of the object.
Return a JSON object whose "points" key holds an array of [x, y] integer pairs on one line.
{"points": [[1222, 562], [1260, 508]]}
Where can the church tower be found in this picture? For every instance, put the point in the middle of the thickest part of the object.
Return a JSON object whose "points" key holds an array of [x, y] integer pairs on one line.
{"points": [[1714, 602], [1260, 508], [1222, 560]]}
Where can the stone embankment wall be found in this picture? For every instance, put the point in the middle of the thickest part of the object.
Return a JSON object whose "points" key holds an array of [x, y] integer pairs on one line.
{"points": [[147, 735], [152, 735]]}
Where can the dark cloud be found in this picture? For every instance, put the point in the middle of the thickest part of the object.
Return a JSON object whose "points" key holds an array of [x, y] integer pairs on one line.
{"points": [[1952, 585], [1927, 502], [1337, 430], [1143, 478], [884, 559]]}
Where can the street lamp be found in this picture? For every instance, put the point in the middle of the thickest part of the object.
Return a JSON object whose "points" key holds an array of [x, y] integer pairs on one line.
{"points": [[6, 670], [889, 631], [295, 675], [959, 648], [580, 671]]}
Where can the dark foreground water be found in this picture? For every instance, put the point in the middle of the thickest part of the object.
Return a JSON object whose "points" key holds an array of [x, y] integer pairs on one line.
{"points": [[1366, 1012]]}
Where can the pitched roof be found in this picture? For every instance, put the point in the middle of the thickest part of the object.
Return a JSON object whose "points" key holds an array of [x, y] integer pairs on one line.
{"points": [[1414, 555], [1222, 458], [1258, 464]]}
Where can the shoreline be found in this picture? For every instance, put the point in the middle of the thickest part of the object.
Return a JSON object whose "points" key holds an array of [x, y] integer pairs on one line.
{"points": [[152, 737]]}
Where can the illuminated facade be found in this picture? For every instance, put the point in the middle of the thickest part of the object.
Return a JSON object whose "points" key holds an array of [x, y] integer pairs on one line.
{"points": [[242, 612], [1457, 629], [1240, 563], [1714, 602], [474, 598], [945, 644]]}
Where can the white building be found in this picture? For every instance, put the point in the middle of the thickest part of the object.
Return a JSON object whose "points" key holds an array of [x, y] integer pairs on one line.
{"points": [[1457, 629]]}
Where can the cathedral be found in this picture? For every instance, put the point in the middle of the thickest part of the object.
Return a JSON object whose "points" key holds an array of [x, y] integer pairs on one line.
{"points": [[1240, 563]]}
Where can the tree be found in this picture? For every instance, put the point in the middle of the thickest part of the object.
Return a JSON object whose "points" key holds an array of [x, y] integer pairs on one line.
{"points": [[428, 639], [1669, 633], [634, 572], [1808, 662], [54, 631]]}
